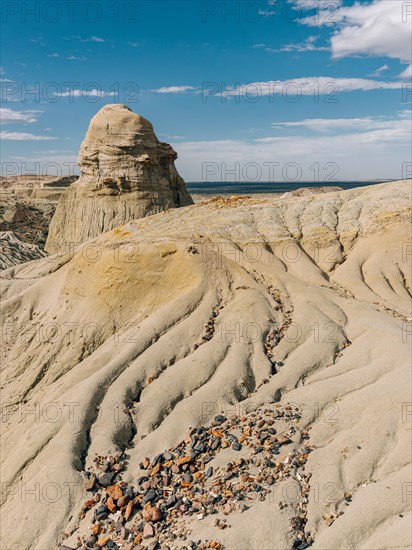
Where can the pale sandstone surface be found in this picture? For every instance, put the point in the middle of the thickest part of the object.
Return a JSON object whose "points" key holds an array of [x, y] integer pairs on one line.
{"points": [[86, 331]]}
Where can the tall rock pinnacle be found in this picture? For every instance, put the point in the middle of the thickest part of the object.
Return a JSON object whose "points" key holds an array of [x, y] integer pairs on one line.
{"points": [[125, 173]]}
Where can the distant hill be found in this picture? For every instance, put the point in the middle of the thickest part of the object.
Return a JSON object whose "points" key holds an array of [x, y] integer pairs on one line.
{"points": [[35, 181]]}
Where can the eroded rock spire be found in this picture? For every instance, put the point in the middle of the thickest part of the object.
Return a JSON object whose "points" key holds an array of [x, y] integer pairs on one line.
{"points": [[125, 173]]}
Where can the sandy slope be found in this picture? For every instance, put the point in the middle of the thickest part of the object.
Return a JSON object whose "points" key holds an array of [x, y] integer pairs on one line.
{"points": [[83, 333]]}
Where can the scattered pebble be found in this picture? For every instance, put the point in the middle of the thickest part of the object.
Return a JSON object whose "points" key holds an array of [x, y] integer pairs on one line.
{"points": [[177, 484]]}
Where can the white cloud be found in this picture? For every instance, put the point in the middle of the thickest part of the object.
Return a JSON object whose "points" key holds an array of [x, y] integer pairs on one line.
{"points": [[407, 73], [167, 136], [93, 39], [315, 4], [395, 131], [309, 45], [85, 93], [19, 136], [70, 57], [325, 12], [362, 124], [266, 13], [380, 70], [380, 28], [373, 154], [321, 18], [321, 85], [8, 116], [80, 39], [173, 89], [2, 72], [76, 58]]}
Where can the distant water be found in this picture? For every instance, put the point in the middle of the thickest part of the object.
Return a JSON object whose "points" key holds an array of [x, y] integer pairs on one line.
{"points": [[248, 188]]}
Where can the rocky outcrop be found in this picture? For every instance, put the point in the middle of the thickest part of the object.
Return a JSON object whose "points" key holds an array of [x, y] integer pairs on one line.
{"points": [[27, 218], [35, 181], [13, 251], [126, 173]]}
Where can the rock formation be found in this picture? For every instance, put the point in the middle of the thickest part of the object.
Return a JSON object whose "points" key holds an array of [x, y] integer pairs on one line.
{"points": [[13, 251], [126, 173], [35, 181], [29, 219]]}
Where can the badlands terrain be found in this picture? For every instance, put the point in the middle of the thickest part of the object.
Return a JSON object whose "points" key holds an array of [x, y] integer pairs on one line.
{"points": [[232, 374], [27, 205], [113, 336]]}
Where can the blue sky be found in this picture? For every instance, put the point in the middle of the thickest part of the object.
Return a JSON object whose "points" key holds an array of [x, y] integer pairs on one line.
{"points": [[270, 90]]}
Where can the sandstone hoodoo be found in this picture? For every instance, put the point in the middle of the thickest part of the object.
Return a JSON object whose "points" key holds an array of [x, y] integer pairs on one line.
{"points": [[125, 173]]}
